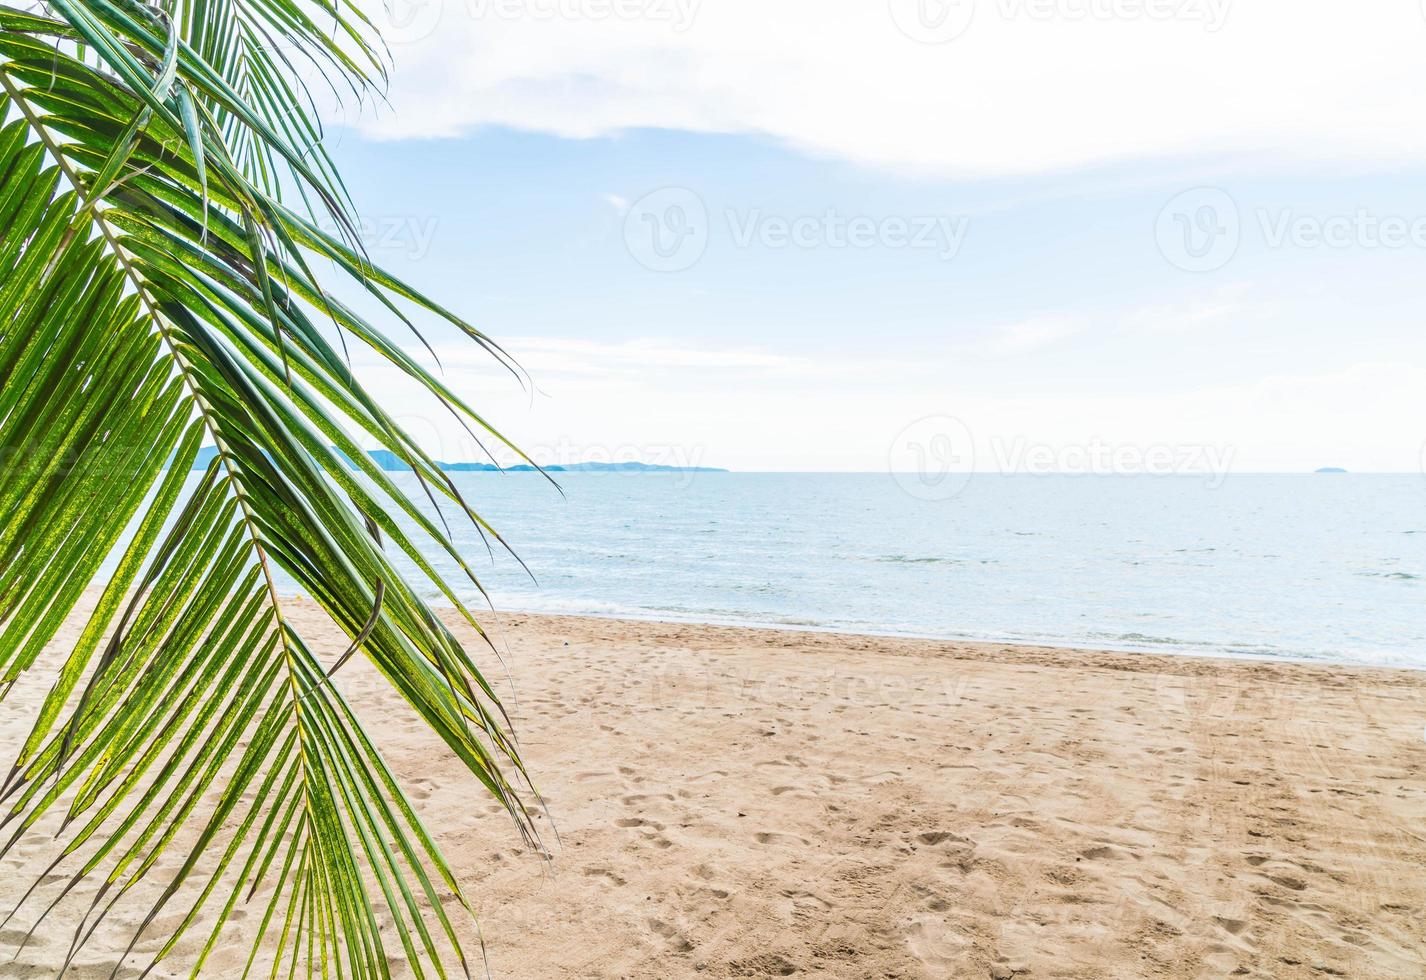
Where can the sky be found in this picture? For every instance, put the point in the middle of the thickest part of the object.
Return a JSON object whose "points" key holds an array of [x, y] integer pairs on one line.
{"points": [[1002, 235]]}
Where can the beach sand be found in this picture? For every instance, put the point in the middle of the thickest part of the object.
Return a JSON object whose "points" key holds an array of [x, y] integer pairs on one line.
{"points": [[748, 803]]}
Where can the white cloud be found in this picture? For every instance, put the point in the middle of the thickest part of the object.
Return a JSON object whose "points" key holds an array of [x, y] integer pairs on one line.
{"points": [[556, 354], [615, 201], [1029, 86], [1024, 336], [1207, 308], [770, 410], [546, 358]]}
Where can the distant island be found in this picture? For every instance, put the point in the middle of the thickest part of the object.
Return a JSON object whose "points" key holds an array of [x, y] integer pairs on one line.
{"points": [[1330, 469], [392, 463]]}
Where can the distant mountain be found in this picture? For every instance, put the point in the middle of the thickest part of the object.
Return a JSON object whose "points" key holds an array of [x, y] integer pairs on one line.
{"points": [[634, 468], [392, 463], [387, 460], [1330, 469], [462, 467], [554, 468]]}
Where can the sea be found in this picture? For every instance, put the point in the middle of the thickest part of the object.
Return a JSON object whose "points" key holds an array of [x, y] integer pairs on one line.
{"points": [[1324, 567]]}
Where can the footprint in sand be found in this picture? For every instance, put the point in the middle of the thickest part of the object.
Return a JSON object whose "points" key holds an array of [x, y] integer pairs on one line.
{"points": [[634, 799], [637, 822], [675, 939], [763, 965], [715, 774], [1230, 926], [605, 875], [11, 939], [806, 901]]}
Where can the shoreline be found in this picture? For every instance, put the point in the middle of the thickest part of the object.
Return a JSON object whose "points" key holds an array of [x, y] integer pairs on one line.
{"points": [[1213, 653], [1066, 654]]}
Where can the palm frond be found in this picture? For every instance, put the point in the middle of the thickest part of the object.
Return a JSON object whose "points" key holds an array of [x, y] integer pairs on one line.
{"points": [[156, 295]]}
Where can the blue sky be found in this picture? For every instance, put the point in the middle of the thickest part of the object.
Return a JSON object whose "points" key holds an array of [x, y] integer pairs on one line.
{"points": [[1047, 304]]}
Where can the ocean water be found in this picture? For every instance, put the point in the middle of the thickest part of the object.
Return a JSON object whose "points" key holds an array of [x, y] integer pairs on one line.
{"points": [[1329, 567]]}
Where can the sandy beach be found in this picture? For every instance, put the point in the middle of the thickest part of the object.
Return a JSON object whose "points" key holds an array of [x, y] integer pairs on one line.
{"points": [[749, 803]]}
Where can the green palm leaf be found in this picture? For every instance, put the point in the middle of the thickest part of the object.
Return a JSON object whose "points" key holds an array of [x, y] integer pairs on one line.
{"points": [[156, 294]]}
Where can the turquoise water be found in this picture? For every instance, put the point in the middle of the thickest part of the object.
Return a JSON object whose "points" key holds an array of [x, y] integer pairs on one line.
{"points": [[1314, 566]]}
